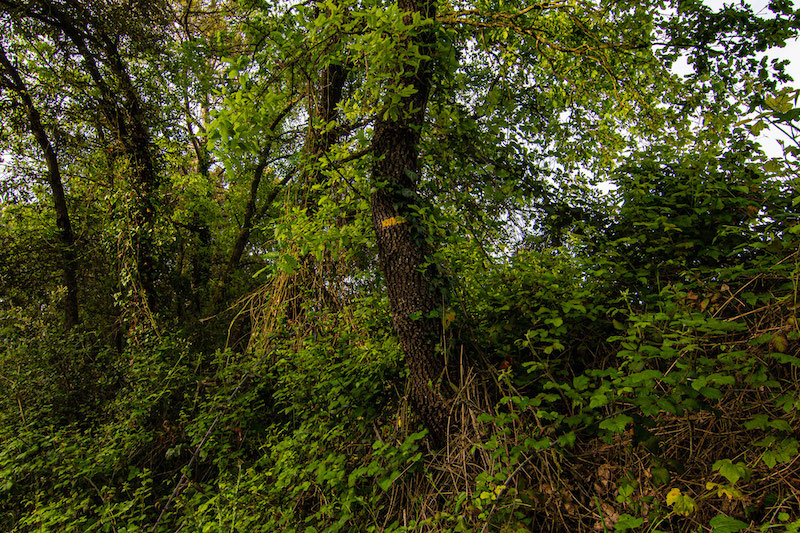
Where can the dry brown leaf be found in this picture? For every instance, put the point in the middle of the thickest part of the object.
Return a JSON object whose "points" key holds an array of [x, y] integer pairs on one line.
{"points": [[604, 473]]}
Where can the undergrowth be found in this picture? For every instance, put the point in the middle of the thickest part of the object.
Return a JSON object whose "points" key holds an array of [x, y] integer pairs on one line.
{"points": [[595, 391]]}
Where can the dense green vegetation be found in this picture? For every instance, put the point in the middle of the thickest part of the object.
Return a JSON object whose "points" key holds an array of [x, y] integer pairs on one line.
{"points": [[344, 265]]}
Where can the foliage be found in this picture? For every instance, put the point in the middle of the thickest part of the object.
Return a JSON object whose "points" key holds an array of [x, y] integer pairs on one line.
{"points": [[611, 361]]}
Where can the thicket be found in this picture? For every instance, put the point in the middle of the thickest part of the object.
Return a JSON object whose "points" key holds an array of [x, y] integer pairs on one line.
{"points": [[618, 361]]}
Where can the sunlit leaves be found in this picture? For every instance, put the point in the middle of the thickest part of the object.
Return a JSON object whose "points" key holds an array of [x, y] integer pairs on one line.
{"points": [[681, 503]]}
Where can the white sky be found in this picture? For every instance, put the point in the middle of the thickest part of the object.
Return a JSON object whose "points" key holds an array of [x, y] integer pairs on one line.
{"points": [[791, 52]]}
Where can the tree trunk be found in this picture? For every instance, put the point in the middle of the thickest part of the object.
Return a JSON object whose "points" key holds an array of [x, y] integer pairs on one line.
{"points": [[414, 292], [251, 216], [63, 223], [122, 107], [321, 138]]}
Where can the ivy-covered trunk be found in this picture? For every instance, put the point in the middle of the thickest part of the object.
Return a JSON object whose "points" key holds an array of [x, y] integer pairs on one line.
{"points": [[414, 294]]}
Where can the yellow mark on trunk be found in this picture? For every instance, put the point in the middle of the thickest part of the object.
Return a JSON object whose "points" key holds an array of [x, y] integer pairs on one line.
{"points": [[391, 222]]}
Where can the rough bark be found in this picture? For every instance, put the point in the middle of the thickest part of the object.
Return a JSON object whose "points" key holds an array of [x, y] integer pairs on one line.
{"points": [[414, 292], [66, 236]]}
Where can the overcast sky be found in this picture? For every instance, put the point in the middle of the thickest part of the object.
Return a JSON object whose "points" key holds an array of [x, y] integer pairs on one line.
{"points": [[790, 52]]}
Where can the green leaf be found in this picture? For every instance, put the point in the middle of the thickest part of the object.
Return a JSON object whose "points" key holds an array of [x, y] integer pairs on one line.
{"points": [[667, 406], [757, 422], [627, 522], [725, 524], [616, 424], [769, 459], [711, 393], [598, 400], [385, 484], [730, 471], [660, 475], [780, 425]]}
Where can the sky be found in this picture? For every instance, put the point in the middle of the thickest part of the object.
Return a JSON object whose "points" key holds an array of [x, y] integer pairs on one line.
{"points": [[791, 52]]}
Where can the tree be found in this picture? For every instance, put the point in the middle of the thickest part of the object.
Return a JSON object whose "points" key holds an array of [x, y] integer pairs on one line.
{"points": [[10, 79], [414, 292], [86, 32]]}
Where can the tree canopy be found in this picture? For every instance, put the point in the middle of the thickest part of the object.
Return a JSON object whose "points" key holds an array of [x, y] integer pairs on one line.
{"points": [[349, 265]]}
